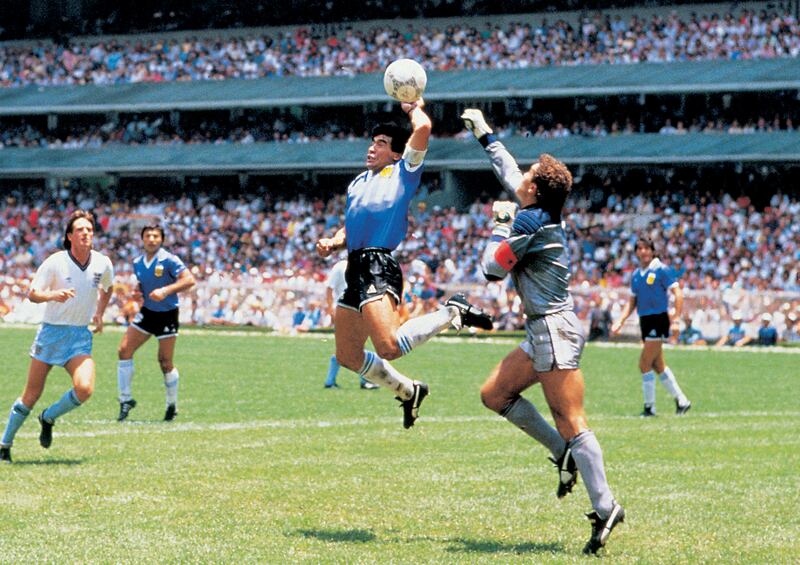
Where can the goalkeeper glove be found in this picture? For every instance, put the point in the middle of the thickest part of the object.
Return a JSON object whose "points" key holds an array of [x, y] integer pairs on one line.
{"points": [[503, 214], [475, 122]]}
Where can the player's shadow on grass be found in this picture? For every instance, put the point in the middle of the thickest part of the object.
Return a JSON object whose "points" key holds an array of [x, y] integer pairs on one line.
{"points": [[347, 536], [37, 462], [461, 545]]}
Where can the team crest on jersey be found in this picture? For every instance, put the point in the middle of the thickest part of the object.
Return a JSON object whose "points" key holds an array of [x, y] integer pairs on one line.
{"points": [[651, 278], [159, 270], [387, 171]]}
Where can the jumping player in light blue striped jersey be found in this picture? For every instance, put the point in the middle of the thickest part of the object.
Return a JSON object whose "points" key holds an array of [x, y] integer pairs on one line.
{"points": [[161, 277], [376, 221], [649, 287]]}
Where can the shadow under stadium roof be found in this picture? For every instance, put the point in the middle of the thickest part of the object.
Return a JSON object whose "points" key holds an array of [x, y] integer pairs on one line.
{"points": [[589, 80]]}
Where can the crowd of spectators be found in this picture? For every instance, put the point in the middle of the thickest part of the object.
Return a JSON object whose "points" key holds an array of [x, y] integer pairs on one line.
{"points": [[158, 130], [254, 256], [150, 16], [308, 51]]}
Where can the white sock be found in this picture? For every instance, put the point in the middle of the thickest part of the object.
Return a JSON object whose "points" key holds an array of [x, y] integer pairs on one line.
{"points": [[382, 373], [124, 379], [417, 331], [669, 382], [171, 384], [649, 388]]}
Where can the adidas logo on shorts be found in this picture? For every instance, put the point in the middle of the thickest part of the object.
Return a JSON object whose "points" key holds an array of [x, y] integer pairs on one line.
{"points": [[372, 289]]}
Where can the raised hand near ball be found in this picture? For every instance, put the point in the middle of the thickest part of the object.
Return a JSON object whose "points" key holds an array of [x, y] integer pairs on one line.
{"points": [[409, 107]]}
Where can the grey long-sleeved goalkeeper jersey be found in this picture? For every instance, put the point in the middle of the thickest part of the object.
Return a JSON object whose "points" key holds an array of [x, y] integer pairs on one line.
{"points": [[536, 253]]}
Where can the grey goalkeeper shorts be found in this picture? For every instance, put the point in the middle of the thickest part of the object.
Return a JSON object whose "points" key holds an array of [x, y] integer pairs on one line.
{"points": [[554, 341]]}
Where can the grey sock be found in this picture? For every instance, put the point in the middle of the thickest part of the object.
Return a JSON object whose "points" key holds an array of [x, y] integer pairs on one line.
{"points": [[589, 459], [526, 417]]}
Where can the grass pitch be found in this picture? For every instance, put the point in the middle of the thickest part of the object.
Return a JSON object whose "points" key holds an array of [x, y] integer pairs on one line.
{"points": [[265, 466]]}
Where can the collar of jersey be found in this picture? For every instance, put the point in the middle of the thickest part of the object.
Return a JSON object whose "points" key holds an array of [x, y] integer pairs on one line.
{"points": [[147, 264], [74, 260], [654, 264]]}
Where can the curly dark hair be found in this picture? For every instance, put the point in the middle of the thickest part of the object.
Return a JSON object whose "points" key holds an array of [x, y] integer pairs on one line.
{"points": [[553, 184], [398, 134]]}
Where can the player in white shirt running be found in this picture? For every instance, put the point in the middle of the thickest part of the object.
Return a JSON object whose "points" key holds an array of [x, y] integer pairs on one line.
{"points": [[76, 285]]}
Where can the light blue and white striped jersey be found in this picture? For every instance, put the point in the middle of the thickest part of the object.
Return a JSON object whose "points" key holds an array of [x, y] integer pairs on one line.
{"points": [[163, 269], [650, 288], [376, 214]]}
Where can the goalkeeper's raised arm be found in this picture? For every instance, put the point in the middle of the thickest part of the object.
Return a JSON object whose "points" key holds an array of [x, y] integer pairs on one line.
{"points": [[503, 163]]}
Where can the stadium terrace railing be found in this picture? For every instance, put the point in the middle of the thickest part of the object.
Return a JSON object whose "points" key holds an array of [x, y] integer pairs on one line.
{"points": [[346, 156], [483, 85], [272, 304]]}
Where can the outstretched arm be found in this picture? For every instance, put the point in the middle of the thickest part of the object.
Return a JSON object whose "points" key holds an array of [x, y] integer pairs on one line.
{"points": [[420, 124], [504, 165]]}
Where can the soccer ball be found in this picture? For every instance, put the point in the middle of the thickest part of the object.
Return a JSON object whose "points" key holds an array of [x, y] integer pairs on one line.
{"points": [[405, 80]]}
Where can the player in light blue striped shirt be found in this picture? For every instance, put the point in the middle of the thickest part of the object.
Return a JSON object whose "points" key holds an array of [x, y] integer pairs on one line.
{"points": [[649, 286], [376, 221]]}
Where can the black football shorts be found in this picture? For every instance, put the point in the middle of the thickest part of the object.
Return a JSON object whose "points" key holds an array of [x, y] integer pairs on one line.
{"points": [[371, 273], [655, 327], [159, 324]]}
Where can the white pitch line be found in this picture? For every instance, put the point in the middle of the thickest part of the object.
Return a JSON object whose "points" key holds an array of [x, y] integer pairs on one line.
{"points": [[112, 428], [472, 340]]}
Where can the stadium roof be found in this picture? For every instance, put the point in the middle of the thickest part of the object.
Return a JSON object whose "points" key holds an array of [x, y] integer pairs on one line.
{"points": [[342, 156], [585, 80]]}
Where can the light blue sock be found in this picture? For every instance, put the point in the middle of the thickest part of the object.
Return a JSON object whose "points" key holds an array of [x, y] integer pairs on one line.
{"points": [[333, 370], [649, 388], [15, 420], [171, 380], [417, 331], [380, 372], [65, 404]]}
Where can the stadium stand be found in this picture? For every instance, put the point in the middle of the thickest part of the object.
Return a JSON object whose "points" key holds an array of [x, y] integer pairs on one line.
{"points": [[257, 252], [302, 52], [152, 123], [554, 118]]}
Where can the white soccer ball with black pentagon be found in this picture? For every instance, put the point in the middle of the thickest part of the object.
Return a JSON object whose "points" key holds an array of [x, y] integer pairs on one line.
{"points": [[405, 80]]}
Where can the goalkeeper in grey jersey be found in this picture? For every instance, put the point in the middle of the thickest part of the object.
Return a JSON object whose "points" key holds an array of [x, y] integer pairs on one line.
{"points": [[530, 244]]}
